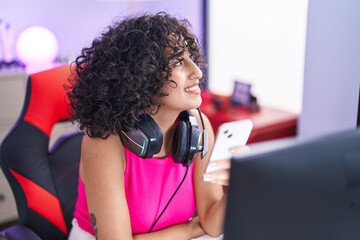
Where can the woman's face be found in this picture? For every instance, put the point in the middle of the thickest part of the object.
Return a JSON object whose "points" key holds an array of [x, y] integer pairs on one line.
{"points": [[183, 85]]}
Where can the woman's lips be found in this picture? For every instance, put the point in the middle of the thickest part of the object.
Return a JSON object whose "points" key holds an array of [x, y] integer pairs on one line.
{"points": [[192, 88]]}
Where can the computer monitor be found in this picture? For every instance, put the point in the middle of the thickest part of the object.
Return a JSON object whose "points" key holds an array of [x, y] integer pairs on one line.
{"points": [[296, 189]]}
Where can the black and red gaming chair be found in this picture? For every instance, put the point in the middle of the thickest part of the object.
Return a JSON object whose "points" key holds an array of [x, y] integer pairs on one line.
{"points": [[43, 180]]}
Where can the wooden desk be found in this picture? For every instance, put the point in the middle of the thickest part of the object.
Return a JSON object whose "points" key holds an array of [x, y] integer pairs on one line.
{"points": [[269, 123]]}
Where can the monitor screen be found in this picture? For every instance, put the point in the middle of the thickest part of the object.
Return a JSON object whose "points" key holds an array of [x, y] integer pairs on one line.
{"points": [[296, 189]]}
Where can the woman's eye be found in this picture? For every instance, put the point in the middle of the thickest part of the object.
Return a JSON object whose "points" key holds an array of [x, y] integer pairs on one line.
{"points": [[178, 62]]}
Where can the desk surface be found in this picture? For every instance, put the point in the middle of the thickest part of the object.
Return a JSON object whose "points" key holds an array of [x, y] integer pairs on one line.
{"points": [[269, 123]]}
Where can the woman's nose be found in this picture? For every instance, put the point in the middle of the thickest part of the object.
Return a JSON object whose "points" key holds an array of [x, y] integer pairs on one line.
{"points": [[196, 73]]}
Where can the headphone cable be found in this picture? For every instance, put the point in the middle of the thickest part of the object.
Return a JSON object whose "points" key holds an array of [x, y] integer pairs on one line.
{"points": [[201, 118], [204, 149], [177, 189], [182, 181]]}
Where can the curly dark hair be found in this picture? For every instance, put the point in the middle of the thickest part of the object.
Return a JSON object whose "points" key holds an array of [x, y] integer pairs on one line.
{"points": [[120, 78]]}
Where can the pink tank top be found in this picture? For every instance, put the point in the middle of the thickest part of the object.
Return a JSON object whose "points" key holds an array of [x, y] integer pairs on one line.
{"points": [[149, 184]]}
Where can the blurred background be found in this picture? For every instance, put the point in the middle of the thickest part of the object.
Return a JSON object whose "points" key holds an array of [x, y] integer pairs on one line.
{"points": [[301, 58]]}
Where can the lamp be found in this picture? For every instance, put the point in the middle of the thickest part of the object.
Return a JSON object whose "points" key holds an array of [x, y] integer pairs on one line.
{"points": [[37, 48]]}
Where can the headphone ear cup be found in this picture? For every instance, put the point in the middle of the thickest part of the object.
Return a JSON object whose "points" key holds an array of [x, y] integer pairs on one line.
{"points": [[193, 143], [146, 140], [181, 142]]}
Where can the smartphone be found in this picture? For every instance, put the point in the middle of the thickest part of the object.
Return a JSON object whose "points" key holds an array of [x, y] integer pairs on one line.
{"points": [[229, 134]]}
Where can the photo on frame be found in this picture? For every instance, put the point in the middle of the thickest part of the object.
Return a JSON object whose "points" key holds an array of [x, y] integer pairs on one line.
{"points": [[241, 94]]}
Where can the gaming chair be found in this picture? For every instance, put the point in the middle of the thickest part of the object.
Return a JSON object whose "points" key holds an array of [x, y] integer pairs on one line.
{"points": [[43, 180]]}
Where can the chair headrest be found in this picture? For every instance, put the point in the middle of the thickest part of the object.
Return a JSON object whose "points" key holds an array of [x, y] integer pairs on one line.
{"points": [[48, 100]]}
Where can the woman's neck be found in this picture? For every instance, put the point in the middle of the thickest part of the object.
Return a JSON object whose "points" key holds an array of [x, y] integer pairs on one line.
{"points": [[166, 121]]}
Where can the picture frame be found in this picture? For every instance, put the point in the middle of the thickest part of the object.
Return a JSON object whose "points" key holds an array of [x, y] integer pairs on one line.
{"points": [[241, 94]]}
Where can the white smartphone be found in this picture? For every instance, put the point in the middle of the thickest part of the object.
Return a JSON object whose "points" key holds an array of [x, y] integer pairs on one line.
{"points": [[229, 134]]}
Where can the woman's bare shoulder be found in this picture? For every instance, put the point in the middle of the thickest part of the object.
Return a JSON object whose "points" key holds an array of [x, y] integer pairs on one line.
{"points": [[99, 150], [98, 142]]}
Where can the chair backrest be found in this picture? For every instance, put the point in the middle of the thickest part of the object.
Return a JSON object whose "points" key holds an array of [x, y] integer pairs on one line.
{"points": [[43, 181]]}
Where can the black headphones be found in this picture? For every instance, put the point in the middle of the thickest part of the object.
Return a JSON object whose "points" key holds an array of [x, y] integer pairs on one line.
{"points": [[146, 140]]}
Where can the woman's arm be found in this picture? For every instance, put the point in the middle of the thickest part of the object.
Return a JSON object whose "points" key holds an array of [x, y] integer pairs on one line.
{"points": [[102, 170], [210, 198], [189, 230]]}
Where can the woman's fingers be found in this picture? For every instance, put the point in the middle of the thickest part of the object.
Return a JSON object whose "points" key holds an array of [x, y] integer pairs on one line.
{"points": [[221, 175], [220, 164], [239, 149], [221, 182]]}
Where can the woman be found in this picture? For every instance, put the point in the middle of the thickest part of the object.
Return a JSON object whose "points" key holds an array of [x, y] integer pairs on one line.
{"points": [[143, 69]]}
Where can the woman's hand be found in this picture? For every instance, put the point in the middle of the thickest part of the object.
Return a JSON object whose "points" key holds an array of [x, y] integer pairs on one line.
{"points": [[196, 227], [222, 173]]}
